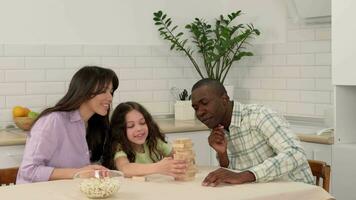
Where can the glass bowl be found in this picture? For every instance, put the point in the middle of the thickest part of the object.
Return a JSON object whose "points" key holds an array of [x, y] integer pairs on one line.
{"points": [[24, 123], [99, 184]]}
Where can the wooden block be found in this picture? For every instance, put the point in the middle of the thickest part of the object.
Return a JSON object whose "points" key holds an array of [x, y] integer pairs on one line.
{"points": [[178, 146], [182, 140], [188, 158], [139, 178], [185, 178]]}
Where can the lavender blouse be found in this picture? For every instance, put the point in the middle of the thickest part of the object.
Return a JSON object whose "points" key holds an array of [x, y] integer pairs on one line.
{"points": [[57, 140]]}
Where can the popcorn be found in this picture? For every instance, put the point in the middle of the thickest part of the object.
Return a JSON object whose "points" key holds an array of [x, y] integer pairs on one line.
{"points": [[99, 188]]}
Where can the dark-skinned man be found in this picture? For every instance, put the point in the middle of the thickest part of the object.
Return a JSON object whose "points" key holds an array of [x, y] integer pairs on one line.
{"points": [[249, 138]]}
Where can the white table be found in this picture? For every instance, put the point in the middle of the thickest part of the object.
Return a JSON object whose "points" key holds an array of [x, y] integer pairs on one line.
{"points": [[163, 187]]}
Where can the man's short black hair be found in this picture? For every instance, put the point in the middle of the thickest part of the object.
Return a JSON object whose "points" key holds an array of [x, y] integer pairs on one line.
{"points": [[218, 87]]}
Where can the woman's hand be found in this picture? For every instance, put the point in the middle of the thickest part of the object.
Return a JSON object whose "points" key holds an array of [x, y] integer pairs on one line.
{"points": [[175, 168]]}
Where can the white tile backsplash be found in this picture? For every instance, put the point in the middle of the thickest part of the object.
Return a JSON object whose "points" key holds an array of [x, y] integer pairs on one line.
{"points": [[64, 50], [44, 62], [151, 62], [286, 48], [140, 96], [136, 51], [53, 99], [301, 35], [135, 73], [273, 60], [315, 97], [323, 34], [2, 76], [306, 109], [2, 102], [100, 50], [286, 95], [323, 59], [162, 96], [12, 89], [25, 75], [273, 84], [315, 47], [45, 88], [301, 59], [261, 94], [28, 100], [118, 61], [258, 72], [152, 85], [12, 62], [77, 62], [60, 74], [262, 49], [323, 84], [1, 50], [301, 84], [127, 85], [162, 73], [160, 107], [24, 50], [292, 77], [286, 72]]}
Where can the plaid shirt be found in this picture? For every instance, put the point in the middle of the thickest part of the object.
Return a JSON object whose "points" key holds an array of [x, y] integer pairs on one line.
{"points": [[260, 141]]}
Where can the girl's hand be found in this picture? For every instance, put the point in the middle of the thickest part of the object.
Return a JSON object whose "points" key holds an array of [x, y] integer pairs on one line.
{"points": [[175, 168]]}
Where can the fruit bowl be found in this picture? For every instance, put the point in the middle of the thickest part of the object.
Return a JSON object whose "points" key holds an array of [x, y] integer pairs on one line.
{"points": [[24, 123], [99, 184]]}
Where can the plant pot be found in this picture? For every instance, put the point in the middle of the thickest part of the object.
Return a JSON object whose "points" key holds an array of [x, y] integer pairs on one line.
{"points": [[230, 91], [183, 110]]}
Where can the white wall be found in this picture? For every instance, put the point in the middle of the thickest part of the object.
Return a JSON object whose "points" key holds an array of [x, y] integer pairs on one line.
{"points": [[127, 22], [291, 74]]}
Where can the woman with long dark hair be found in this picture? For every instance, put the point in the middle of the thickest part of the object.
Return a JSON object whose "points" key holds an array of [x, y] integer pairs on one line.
{"points": [[69, 136]]}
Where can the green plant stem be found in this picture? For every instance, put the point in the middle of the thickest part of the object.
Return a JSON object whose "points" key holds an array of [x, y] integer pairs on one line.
{"points": [[184, 50], [232, 60]]}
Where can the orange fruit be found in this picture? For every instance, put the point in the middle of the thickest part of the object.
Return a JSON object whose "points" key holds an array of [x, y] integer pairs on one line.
{"points": [[19, 111], [26, 110]]}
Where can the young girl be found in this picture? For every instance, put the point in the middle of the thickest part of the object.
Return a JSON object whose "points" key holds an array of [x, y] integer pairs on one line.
{"points": [[67, 137], [137, 146]]}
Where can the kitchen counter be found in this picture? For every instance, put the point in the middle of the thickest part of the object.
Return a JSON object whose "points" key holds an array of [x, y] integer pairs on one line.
{"points": [[18, 137], [12, 136]]}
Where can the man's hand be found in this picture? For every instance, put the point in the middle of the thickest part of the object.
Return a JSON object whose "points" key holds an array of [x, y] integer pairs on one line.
{"points": [[217, 140], [223, 175]]}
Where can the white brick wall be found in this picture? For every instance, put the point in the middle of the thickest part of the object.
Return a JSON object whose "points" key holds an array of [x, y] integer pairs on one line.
{"points": [[292, 77]]}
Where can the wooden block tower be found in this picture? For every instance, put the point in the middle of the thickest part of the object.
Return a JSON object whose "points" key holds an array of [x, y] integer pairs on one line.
{"points": [[183, 150]]}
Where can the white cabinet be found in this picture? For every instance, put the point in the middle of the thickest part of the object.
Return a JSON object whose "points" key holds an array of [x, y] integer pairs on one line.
{"points": [[11, 156], [343, 171], [316, 151], [201, 145], [343, 42]]}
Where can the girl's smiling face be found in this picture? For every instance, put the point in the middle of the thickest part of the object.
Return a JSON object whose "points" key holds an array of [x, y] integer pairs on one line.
{"points": [[136, 128]]}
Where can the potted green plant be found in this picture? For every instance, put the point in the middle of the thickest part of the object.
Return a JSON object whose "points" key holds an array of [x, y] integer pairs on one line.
{"points": [[183, 106], [219, 46]]}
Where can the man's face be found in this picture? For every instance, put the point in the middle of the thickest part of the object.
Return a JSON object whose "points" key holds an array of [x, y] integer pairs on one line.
{"points": [[210, 108]]}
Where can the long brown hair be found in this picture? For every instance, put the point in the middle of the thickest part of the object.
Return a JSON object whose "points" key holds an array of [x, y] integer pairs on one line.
{"points": [[86, 83], [118, 137]]}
